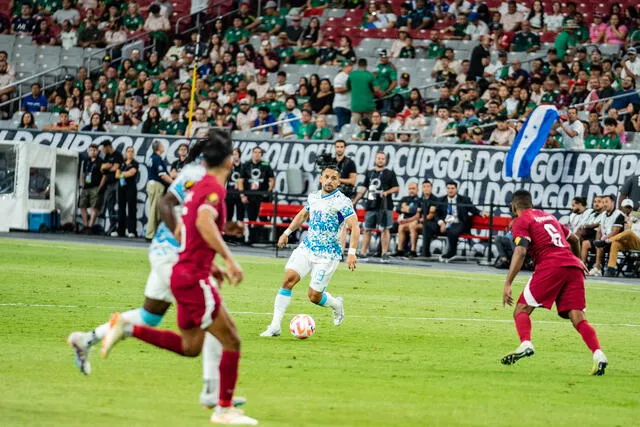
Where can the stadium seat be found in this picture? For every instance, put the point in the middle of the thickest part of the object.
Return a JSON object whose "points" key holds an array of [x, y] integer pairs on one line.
{"points": [[334, 13]]}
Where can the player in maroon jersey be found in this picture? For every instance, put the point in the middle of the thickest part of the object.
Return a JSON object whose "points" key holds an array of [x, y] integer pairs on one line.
{"points": [[558, 277], [199, 304]]}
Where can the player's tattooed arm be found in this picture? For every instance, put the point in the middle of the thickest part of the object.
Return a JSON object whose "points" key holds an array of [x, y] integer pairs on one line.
{"points": [[302, 216]]}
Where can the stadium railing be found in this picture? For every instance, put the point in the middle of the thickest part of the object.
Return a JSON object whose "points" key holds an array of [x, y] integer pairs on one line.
{"points": [[196, 17]]}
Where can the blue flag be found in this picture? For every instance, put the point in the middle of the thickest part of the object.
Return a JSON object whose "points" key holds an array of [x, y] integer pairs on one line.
{"points": [[530, 141]]}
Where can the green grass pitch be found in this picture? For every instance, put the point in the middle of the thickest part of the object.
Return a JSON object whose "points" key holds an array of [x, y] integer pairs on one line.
{"points": [[418, 348]]}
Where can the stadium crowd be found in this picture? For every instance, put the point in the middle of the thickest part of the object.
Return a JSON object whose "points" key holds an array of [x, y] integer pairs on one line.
{"points": [[479, 98]]}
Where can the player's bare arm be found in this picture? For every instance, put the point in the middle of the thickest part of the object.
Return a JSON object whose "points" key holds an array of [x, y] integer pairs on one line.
{"points": [[354, 225], [517, 261], [166, 209], [206, 225], [300, 219]]}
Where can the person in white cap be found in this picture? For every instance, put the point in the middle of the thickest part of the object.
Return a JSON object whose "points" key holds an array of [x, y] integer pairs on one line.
{"points": [[628, 240], [271, 22], [631, 66]]}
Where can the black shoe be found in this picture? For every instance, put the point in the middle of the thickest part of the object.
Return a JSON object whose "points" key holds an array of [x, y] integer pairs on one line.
{"points": [[413, 254], [611, 272], [398, 254]]}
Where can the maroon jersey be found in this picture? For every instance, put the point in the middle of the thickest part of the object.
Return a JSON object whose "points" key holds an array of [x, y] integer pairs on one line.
{"points": [[196, 256], [548, 246]]}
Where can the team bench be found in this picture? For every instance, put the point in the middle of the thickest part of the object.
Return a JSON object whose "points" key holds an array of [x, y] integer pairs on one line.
{"points": [[281, 215]]}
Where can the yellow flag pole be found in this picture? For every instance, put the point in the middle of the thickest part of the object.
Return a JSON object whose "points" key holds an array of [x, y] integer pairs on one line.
{"points": [[192, 100]]}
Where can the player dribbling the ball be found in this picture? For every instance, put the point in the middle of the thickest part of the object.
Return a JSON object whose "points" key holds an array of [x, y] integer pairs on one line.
{"points": [[328, 212]]}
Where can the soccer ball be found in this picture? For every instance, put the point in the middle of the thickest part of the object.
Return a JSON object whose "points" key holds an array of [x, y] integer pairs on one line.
{"points": [[302, 326]]}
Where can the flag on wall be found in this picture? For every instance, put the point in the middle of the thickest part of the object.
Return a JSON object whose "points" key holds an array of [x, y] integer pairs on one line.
{"points": [[530, 141]]}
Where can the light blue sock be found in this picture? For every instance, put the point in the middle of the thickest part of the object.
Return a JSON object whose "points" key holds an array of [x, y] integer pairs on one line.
{"points": [[328, 300]]}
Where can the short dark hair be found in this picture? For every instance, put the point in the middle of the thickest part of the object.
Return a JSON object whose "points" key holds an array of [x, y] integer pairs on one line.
{"points": [[611, 197], [331, 167], [258, 148], [610, 122], [522, 199], [263, 109], [93, 146], [362, 63], [455, 184], [426, 181], [340, 141], [216, 147], [184, 144], [580, 200]]}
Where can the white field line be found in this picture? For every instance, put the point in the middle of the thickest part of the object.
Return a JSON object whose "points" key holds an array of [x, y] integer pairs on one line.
{"points": [[254, 313]]}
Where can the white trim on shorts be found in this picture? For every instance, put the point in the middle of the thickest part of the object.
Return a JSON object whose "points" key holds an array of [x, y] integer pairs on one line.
{"points": [[528, 296], [209, 303]]}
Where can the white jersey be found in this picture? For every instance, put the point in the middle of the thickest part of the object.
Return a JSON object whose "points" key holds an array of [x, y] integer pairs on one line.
{"points": [[164, 242], [327, 215], [580, 220]]}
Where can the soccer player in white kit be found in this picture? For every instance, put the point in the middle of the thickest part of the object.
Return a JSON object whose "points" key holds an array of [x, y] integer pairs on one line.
{"points": [[163, 254], [328, 211]]}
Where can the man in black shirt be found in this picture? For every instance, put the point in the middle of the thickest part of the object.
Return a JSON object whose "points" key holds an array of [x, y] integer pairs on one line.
{"points": [[480, 57], [347, 168], [234, 203], [428, 222], [110, 168], [91, 183], [178, 164], [295, 30], [380, 183], [630, 190], [409, 209], [25, 24], [256, 176]]}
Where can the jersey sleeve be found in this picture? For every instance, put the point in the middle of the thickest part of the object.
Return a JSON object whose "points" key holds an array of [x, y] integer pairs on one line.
{"points": [[346, 210], [179, 187], [212, 196], [565, 230], [520, 230]]}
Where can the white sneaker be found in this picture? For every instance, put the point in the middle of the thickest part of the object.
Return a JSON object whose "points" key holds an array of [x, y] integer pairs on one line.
{"points": [[232, 416], [114, 234], [595, 271], [525, 349], [600, 363], [114, 334], [338, 314], [271, 332], [79, 343], [131, 235]]}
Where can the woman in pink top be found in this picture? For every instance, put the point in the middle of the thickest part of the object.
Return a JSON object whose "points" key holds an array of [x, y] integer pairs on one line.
{"points": [[615, 33], [597, 29]]}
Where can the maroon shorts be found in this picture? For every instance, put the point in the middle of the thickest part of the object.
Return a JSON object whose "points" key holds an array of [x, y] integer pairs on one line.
{"points": [[197, 300], [562, 285]]}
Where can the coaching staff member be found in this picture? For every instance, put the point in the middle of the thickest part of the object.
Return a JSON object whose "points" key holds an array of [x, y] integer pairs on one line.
{"points": [[347, 168], [256, 176]]}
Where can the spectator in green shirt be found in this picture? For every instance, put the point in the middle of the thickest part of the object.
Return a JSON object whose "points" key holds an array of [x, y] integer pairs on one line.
{"points": [[457, 30], [236, 34], [322, 130], [132, 21], [525, 40], [271, 22], [403, 88], [307, 53], [386, 74], [566, 39], [408, 51], [153, 125], [307, 128], [436, 48], [361, 83], [175, 126], [611, 138]]}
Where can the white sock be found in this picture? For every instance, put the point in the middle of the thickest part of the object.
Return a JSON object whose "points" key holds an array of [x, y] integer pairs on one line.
{"points": [[280, 306], [329, 301], [211, 355], [132, 316]]}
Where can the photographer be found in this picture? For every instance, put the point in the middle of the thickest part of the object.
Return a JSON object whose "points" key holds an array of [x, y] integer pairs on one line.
{"points": [[380, 183], [256, 176], [347, 167]]}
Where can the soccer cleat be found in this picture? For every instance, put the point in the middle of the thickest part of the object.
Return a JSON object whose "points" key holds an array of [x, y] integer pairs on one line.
{"points": [[600, 363], [210, 400], [338, 314], [114, 334], [79, 343], [595, 271], [524, 350], [271, 332], [232, 416]]}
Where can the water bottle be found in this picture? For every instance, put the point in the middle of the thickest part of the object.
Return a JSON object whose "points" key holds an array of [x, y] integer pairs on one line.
{"points": [[123, 181]]}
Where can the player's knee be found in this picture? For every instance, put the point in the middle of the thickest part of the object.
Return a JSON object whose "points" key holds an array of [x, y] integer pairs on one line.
{"points": [[190, 349], [314, 296]]}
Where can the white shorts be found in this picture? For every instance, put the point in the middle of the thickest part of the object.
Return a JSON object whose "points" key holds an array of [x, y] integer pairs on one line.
{"points": [[303, 262], [159, 282]]}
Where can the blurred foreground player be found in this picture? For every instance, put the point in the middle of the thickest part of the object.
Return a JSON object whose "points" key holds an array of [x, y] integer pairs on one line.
{"points": [[199, 304], [558, 277]]}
